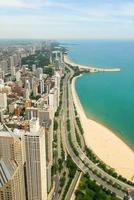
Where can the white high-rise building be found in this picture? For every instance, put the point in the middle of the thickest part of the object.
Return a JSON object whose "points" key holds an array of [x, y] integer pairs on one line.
{"points": [[16, 60], [2, 74], [35, 89], [3, 100], [57, 56], [11, 61], [18, 76], [27, 89], [57, 85], [41, 86], [46, 120], [34, 68], [27, 85], [1, 85], [53, 100], [35, 159], [4, 66], [39, 72], [12, 66]]}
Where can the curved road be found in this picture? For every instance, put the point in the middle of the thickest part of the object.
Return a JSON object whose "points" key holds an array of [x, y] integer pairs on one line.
{"points": [[82, 161]]}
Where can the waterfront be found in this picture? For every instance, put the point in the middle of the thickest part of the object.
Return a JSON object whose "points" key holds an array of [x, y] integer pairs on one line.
{"points": [[104, 143], [97, 89], [109, 97]]}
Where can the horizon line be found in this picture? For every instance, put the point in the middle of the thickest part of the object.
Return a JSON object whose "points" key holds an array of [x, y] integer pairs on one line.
{"points": [[66, 38]]}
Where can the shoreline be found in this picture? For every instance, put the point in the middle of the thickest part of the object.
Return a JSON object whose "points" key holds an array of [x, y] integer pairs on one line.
{"points": [[108, 147], [69, 61], [104, 142], [117, 133], [89, 68]]}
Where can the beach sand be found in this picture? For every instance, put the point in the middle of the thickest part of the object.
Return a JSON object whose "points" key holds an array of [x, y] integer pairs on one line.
{"points": [[104, 143], [90, 68], [69, 61]]}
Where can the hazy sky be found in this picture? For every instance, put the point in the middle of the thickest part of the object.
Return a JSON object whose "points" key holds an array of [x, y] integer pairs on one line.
{"points": [[67, 19]]}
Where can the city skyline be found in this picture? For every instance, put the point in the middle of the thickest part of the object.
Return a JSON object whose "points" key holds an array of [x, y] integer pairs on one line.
{"points": [[48, 145], [108, 19]]}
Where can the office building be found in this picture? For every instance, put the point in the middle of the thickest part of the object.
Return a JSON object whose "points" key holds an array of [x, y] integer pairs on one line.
{"points": [[39, 72], [46, 120], [12, 186], [41, 86], [53, 99], [3, 100], [35, 159], [31, 112], [4, 66], [12, 66], [57, 86], [18, 76]]}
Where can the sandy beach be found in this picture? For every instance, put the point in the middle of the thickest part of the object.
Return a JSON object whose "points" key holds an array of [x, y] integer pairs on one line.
{"points": [[105, 144], [91, 68], [69, 61]]}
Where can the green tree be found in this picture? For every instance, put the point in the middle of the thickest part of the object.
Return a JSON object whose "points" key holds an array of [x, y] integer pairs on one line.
{"points": [[55, 125]]}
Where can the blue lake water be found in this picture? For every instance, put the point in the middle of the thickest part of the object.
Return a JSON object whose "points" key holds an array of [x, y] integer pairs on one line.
{"points": [[107, 97]]}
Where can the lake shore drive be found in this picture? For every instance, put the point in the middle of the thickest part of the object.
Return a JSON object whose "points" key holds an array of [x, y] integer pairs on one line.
{"points": [[104, 142]]}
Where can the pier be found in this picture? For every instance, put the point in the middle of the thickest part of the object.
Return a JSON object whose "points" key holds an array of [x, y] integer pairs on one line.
{"points": [[94, 69], [84, 68]]}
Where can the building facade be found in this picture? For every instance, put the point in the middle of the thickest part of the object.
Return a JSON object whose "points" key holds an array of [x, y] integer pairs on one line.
{"points": [[12, 186], [35, 159]]}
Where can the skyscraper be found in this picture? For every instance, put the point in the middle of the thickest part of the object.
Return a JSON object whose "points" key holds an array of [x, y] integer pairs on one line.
{"points": [[3, 100], [46, 120], [12, 185], [12, 66], [35, 159], [27, 89], [4, 66]]}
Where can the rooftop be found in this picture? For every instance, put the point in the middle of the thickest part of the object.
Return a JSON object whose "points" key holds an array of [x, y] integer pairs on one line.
{"points": [[5, 134]]}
